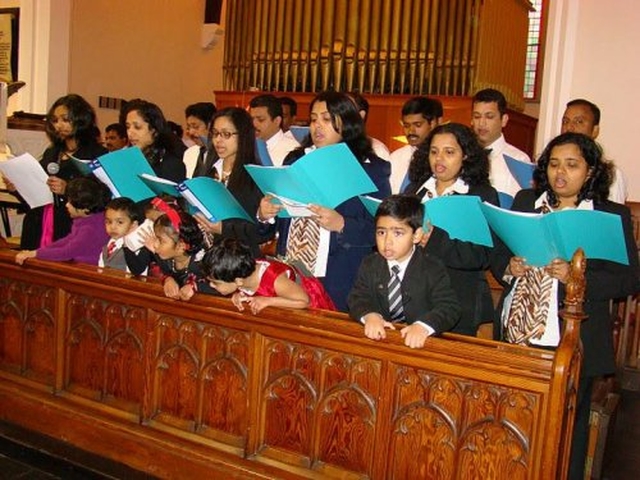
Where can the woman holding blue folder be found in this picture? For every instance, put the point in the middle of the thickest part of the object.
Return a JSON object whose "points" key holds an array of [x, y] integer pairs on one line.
{"points": [[148, 130], [451, 162], [570, 174], [233, 138], [333, 242]]}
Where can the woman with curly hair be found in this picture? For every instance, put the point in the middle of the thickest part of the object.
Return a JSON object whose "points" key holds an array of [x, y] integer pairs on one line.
{"points": [[452, 162], [71, 127], [148, 130], [571, 174]]}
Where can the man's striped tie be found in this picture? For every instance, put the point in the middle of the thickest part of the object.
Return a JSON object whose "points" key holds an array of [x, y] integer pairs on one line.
{"points": [[396, 311]]}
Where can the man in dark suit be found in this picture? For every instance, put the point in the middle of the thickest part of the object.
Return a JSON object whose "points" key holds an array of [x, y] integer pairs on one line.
{"points": [[424, 300]]}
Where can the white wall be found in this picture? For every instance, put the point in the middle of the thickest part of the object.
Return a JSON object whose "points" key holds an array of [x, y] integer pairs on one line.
{"points": [[43, 59], [149, 49], [591, 53]]}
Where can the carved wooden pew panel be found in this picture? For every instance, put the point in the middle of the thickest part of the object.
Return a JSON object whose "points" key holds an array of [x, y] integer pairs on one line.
{"points": [[106, 363]]}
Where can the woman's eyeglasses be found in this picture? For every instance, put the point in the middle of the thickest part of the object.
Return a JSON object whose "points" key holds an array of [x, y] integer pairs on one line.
{"points": [[224, 134]]}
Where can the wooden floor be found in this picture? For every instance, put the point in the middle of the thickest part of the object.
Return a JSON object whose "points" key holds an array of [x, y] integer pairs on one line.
{"points": [[622, 459], [48, 459]]}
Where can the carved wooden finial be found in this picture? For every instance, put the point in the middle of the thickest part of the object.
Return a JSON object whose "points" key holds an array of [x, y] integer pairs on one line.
{"points": [[576, 285]]}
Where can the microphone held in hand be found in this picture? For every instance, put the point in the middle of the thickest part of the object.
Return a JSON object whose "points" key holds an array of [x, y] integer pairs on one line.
{"points": [[52, 169]]}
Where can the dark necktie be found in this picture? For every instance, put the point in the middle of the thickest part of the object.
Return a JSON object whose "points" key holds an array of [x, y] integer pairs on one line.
{"points": [[203, 165], [396, 311]]}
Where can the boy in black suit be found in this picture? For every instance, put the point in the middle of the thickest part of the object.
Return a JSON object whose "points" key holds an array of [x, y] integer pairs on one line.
{"points": [[425, 301]]}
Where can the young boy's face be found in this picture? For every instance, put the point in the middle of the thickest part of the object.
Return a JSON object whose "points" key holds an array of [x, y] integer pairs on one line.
{"points": [[395, 238], [224, 288], [117, 223]]}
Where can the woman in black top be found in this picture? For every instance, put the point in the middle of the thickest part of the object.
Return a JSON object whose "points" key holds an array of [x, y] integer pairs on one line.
{"points": [[148, 130], [234, 145], [71, 127], [572, 174], [451, 162]]}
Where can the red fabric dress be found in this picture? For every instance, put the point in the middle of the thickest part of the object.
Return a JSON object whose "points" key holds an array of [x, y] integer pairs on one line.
{"points": [[272, 269]]}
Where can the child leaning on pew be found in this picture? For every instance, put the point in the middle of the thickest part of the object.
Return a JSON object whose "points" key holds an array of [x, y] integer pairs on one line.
{"points": [[121, 217], [86, 200], [139, 243], [232, 270], [178, 248], [401, 283]]}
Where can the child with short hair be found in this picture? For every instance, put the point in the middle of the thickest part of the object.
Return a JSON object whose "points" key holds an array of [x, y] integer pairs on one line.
{"points": [[178, 240], [232, 269], [86, 200], [121, 217], [401, 283]]}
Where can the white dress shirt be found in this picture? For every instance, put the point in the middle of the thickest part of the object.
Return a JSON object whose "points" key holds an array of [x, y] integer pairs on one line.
{"points": [[499, 174], [400, 160], [279, 146]]}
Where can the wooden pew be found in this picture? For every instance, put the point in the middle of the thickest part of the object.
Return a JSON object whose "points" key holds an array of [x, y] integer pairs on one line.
{"points": [[104, 362]]}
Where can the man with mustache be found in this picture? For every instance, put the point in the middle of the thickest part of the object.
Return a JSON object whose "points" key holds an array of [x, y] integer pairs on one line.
{"points": [[488, 119], [420, 115], [266, 113], [583, 116]]}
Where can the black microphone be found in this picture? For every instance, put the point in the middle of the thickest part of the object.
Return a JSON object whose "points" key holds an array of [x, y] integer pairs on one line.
{"points": [[52, 169]]}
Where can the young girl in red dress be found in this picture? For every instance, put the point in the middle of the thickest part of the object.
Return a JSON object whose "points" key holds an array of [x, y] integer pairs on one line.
{"points": [[232, 270]]}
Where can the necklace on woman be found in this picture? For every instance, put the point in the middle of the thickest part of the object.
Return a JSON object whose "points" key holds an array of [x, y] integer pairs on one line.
{"points": [[225, 176]]}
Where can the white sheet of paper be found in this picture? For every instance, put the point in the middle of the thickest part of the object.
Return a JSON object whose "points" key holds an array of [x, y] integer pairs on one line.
{"points": [[134, 241], [101, 175], [293, 208], [29, 178]]}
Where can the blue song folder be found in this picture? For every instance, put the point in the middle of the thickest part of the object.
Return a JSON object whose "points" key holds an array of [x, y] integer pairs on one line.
{"points": [[458, 215], [505, 200], [204, 194], [120, 171], [326, 176], [82, 165], [299, 132], [263, 153], [541, 238], [521, 171]]}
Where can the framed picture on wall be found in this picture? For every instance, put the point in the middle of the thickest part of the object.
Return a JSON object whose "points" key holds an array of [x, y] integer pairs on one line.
{"points": [[9, 37]]}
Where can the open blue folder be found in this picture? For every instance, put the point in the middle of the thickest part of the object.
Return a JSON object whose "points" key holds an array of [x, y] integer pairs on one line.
{"points": [[458, 215], [119, 170], [204, 194], [82, 165], [541, 238], [521, 171], [326, 176], [505, 200], [263, 153], [299, 132]]}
